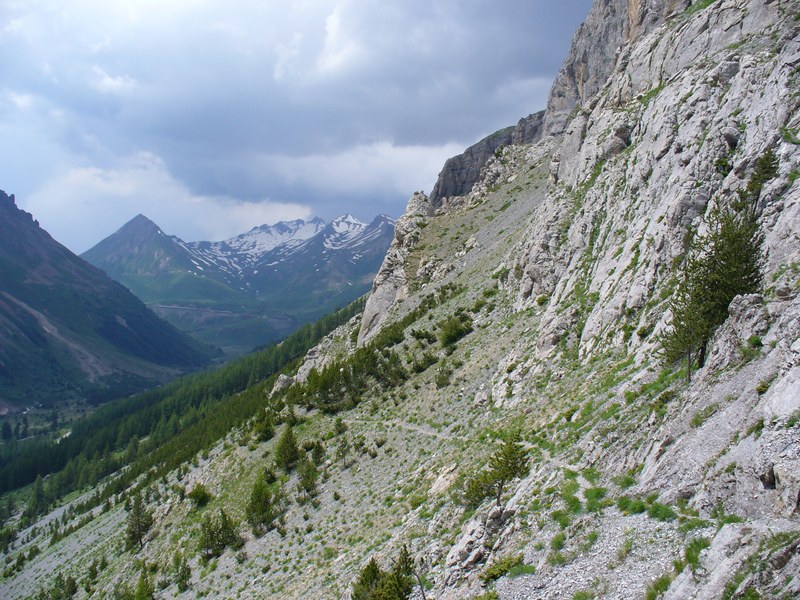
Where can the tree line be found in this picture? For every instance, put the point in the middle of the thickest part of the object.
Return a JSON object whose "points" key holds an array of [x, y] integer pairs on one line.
{"points": [[162, 427]]}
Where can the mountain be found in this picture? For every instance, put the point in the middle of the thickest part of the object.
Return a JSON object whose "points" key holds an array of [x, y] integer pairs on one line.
{"points": [[67, 330], [250, 289], [503, 420]]}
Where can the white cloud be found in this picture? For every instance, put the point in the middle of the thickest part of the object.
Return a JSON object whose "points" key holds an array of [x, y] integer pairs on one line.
{"points": [[103, 82], [287, 55], [310, 88], [379, 168], [85, 204], [340, 50], [18, 100]]}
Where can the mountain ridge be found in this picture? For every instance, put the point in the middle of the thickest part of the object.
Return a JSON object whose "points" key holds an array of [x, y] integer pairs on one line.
{"points": [[252, 288], [64, 319]]}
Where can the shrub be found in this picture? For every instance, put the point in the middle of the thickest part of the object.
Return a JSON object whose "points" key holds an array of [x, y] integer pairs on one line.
{"points": [[594, 498], [661, 512], [443, 374], [561, 517], [199, 495], [523, 569], [500, 567], [454, 328], [702, 415], [631, 506], [557, 543]]}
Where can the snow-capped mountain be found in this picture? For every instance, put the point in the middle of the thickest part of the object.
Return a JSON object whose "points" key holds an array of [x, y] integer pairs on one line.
{"points": [[246, 249], [252, 288]]}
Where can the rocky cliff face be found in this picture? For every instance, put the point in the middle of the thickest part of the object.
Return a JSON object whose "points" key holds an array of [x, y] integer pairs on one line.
{"points": [[610, 26], [461, 172], [658, 116]]}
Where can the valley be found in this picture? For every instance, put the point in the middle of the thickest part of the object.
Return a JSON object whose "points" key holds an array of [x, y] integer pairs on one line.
{"points": [[252, 289]]}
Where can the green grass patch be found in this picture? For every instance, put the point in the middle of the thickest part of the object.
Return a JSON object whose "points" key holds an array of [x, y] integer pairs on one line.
{"points": [[594, 498], [500, 567], [658, 587], [702, 415], [661, 512], [693, 550]]}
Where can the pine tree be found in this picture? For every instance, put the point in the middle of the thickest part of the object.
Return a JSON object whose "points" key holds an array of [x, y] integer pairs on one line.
{"points": [[139, 522], [723, 263], [308, 478], [286, 450], [144, 589], [506, 464], [373, 583], [183, 573], [38, 500], [368, 581], [219, 533], [687, 336], [265, 506], [403, 572]]}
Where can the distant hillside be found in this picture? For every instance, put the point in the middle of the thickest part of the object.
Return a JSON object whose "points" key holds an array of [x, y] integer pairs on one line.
{"points": [[68, 330], [251, 289]]}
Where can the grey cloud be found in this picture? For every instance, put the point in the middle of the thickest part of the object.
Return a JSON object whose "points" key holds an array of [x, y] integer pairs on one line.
{"points": [[212, 89]]}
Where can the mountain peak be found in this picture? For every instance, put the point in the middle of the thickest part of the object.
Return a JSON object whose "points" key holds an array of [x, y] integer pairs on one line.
{"points": [[5, 199], [140, 225], [382, 219], [346, 223]]}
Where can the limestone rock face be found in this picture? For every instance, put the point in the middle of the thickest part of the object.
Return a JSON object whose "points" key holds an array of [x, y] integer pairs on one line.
{"points": [[391, 283], [461, 172], [529, 129], [658, 117], [675, 130], [610, 27]]}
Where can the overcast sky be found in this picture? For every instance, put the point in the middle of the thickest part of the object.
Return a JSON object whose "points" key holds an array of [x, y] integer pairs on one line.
{"points": [[212, 117]]}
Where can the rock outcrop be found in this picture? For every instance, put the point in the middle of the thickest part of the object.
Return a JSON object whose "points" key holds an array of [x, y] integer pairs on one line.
{"points": [[659, 116], [390, 283], [461, 172]]}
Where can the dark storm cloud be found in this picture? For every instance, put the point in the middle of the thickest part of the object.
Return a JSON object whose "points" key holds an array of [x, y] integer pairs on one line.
{"points": [[263, 110]]}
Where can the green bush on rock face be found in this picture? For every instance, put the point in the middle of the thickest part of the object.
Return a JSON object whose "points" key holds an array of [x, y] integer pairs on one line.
{"points": [[217, 533], [374, 583], [500, 567]]}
